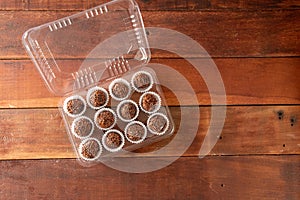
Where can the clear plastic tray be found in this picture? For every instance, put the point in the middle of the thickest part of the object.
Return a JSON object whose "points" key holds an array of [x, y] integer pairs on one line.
{"points": [[120, 125], [60, 49], [94, 48]]}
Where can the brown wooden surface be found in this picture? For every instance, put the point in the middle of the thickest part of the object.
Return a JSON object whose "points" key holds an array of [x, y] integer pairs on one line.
{"points": [[255, 45], [23, 88], [230, 177], [164, 5], [40, 133], [222, 34]]}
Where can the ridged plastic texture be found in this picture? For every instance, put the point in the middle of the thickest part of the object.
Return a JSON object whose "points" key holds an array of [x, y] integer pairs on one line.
{"points": [[92, 46]]}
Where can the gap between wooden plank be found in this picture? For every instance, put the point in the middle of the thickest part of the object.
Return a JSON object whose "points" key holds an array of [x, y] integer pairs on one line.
{"points": [[222, 34], [246, 81], [40, 133]]}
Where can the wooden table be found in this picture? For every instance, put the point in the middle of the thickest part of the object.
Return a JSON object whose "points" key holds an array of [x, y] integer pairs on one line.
{"points": [[256, 46]]}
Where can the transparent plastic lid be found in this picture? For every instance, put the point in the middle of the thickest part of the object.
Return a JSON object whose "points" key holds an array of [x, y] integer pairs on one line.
{"points": [[89, 47]]}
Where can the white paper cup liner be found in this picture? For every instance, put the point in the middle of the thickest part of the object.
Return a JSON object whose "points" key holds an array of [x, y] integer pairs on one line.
{"points": [[81, 146], [101, 110], [119, 80], [166, 127], [157, 106], [93, 89], [145, 89], [142, 138], [119, 110], [117, 148], [74, 124], [65, 105]]}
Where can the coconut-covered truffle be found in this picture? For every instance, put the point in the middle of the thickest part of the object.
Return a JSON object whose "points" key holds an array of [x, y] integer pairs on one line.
{"points": [[135, 132], [158, 123], [90, 149], [142, 81], [82, 127], [127, 110]]}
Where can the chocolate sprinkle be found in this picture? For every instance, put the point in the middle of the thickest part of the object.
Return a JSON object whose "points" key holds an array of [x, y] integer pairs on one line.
{"points": [[90, 149], [113, 140], [75, 106], [98, 98], [149, 102], [105, 119]]}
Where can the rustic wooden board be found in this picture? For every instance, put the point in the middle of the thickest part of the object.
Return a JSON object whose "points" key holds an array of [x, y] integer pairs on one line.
{"points": [[229, 177], [222, 34], [40, 133], [246, 80], [152, 4]]}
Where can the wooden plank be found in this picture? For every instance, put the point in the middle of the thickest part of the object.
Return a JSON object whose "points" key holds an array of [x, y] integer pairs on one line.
{"points": [[222, 34], [237, 177], [40, 133], [153, 4], [272, 81]]}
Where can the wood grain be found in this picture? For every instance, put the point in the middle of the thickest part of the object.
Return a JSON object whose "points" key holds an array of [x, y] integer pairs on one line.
{"points": [[246, 80], [222, 34], [233, 177], [40, 133], [184, 5]]}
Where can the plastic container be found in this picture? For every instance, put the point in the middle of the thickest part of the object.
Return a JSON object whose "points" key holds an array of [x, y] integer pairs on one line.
{"points": [[94, 48]]}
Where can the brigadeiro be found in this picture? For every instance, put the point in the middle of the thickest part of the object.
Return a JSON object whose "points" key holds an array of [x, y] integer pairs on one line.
{"points": [[135, 132], [127, 110], [113, 140], [74, 106], [105, 118], [119, 89], [150, 102], [158, 123], [142, 81], [82, 127], [90, 149], [97, 97]]}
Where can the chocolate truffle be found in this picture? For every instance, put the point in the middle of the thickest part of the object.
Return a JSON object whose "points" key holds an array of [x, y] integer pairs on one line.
{"points": [[97, 97], [142, 81], [105, 118], [158, 123], [119, 89], [135, 132], [127, 110], [74, 106], [82, 127], [113, 140], [150, 102], [90, 149]]}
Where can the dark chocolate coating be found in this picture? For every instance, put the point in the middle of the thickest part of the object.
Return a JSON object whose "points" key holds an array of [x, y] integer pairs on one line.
{"points": [[149, 101], [105, 119], [98, 98]]}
